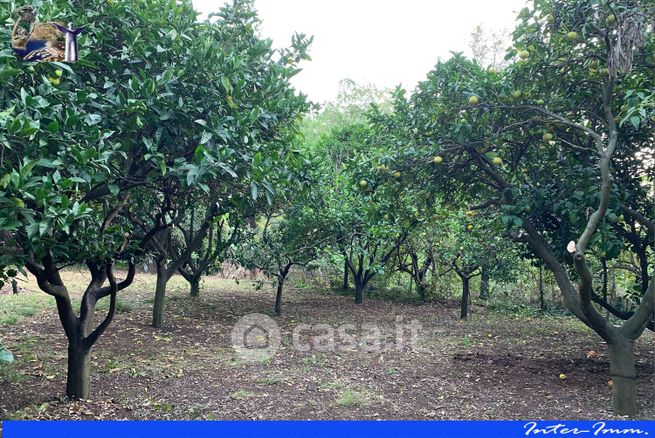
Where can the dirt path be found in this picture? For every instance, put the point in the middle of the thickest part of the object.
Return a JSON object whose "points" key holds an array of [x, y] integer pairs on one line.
{"points": [[493, 366]]}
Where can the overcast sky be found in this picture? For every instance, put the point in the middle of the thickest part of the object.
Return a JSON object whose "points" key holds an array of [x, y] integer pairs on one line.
{"points": [[382, 42]]}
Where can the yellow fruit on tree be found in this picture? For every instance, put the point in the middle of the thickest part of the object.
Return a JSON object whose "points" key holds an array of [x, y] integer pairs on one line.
{"points": [[611, 19], [562, 376], [547, 136], [572, 36], [516, 94], [524, 54], [363, 183], [549, 18], [621, 218], [437, 160], [54, 81], [469, 227], [497, 161], [58, 73], [473, 100], [396, 174]]}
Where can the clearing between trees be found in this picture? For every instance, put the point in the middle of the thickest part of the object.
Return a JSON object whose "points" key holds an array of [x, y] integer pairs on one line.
{"points": [[493, 366]]}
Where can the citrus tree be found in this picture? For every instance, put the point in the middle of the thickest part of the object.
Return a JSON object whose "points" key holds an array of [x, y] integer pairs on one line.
{"points": [[227, 143], [546, 143], [293, 237], [134, 124], [372, 205], [223, 232]]}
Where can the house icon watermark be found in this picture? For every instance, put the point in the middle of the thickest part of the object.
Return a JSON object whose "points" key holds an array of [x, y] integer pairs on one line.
{"points": [[256, 337]]}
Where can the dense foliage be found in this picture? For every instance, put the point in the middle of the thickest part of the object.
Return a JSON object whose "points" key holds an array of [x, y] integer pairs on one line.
{"points": [[179, 142]]}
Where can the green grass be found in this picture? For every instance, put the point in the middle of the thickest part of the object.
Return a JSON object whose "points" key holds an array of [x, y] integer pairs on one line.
{"points": [[391, 371], [16, 307], [121, 306], [331, 385], [9, 373], [268, 380], [350, 398], [242, 393]]}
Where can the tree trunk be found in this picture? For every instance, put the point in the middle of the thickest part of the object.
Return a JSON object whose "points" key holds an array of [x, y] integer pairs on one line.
{"points": [[622, 370], [542, 302], [345, 276], [160, 295], [195, 286], [278, 296], [465, 298], [79, 367], [420, 288], [484, 284], [359, 292]]}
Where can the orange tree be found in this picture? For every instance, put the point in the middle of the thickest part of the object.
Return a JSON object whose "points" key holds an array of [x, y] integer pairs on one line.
{"points": [[372, 205], [159, 106], [559, 144]]}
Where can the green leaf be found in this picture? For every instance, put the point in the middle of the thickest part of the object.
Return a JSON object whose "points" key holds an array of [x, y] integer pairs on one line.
{"points": [[56, 177], [44, 227], [27, 168], [227, 86], [206, 136], [257, 159], [53, 126], [92, 119], [254, 190], [114, 189], [168, 75], [4, 181], [635, 120], [63, 66]]}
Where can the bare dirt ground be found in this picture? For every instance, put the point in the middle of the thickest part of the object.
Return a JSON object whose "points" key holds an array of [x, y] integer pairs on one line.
{"points": [[494, 366]]}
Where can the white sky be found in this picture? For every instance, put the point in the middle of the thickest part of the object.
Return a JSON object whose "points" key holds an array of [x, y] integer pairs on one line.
{"points": [[384, 42]]}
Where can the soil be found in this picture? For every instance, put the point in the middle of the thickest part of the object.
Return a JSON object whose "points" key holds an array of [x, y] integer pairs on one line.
{"points": [[493, 366]]}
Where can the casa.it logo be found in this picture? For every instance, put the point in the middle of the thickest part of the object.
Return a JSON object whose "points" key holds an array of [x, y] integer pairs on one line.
{"points": [[256, 337], [48, 41]]}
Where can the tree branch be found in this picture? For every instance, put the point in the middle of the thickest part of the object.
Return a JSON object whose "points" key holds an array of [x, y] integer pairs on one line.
{"points": [[90, 340], [634, 327]]}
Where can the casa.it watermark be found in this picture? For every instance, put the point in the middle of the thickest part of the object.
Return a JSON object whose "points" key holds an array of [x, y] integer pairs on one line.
{"points": [[257, 337]]}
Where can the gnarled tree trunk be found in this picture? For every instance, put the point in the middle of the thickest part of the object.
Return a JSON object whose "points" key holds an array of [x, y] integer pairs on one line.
{"points": [[80, 331], [484, 284], [420, 288], [360, 288], [278, 297], [623, 374], [464, 307], [78, 384], [195, 286], [281, 278], [163, 275]]}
